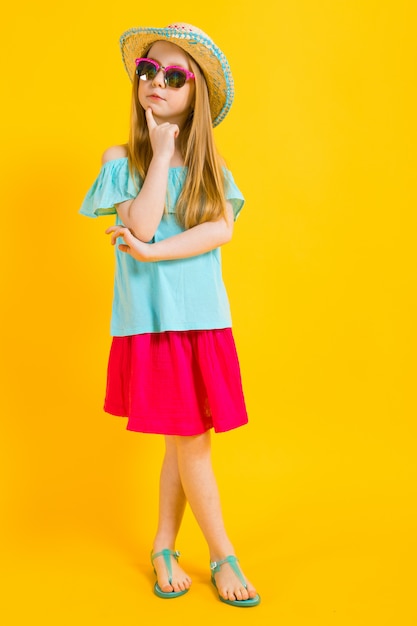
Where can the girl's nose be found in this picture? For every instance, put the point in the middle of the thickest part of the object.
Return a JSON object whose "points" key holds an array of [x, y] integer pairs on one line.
{"points": [[159, 79]]}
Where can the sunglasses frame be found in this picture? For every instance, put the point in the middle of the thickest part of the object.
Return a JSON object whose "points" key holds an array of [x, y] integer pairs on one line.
{"points": [[188, 75]]}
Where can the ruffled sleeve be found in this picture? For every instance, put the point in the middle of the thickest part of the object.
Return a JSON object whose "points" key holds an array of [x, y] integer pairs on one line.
{"points": [[233, 194], [112, 186]]}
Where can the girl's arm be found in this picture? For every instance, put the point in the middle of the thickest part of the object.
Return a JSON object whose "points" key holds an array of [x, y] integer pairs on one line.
{"points": [[197, 240], [143, 214]]}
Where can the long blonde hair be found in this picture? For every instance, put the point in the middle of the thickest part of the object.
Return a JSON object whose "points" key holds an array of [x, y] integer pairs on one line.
{"points": [[202, 198]]}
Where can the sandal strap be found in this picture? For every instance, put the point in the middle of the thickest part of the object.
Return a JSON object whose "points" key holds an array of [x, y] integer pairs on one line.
{"points": [[167, 554], [233, 562]]}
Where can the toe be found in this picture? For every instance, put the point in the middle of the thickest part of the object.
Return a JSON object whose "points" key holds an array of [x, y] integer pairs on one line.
{"points": [[244, 594], [251, 591], [239, 594], [223, 593], [181, 585], [230, 595]]}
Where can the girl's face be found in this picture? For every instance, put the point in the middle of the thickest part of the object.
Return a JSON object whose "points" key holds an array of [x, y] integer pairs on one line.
{"points": [[168, 104]]}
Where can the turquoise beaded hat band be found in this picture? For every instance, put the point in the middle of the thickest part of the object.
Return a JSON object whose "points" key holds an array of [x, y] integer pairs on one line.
{"points": [[135, 43]]}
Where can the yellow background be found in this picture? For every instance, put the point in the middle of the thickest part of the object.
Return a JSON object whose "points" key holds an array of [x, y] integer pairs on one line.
{"points": [[319, 490]]}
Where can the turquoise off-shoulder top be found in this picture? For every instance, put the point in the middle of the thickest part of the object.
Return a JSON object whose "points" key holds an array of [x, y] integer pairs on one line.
{"points": [[184, 294]]}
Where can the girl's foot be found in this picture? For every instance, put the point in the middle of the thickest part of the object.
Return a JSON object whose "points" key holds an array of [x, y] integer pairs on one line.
{"points": [[229, 585], [180, 581]]}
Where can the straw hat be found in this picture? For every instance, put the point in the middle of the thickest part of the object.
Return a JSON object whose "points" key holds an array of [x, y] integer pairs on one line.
{"points": [[136, 42]]}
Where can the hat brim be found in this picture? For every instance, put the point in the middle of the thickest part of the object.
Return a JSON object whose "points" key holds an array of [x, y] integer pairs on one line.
{"points": [[136, 42]]}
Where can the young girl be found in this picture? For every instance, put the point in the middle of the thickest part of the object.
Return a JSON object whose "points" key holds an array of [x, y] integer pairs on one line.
{"points": [[173, 368]]}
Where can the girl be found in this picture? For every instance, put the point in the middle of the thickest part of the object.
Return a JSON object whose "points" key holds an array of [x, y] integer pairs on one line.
{"points": [[173, 368]]}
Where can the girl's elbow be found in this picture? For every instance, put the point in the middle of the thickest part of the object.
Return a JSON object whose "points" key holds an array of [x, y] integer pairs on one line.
{"points": [[143, 230], [229, 222], [145, 237], [228, 233], [140, 231]]}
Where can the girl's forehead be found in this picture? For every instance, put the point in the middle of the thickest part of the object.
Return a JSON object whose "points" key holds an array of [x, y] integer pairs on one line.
{"points": [[167, 49]]}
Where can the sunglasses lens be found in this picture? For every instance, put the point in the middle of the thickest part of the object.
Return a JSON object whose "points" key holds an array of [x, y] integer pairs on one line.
{"points": [[146, 70], [175, 78]]}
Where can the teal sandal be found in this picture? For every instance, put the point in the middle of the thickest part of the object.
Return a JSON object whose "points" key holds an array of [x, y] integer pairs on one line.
{"points": [[167, 554], [233, 562]]}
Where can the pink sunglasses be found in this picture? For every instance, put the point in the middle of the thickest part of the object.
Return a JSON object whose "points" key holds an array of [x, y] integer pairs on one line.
{"points": [[174, 75]]}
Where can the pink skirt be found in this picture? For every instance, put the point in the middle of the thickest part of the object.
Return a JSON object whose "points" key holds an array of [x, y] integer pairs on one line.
{"points": [[176, 383]]}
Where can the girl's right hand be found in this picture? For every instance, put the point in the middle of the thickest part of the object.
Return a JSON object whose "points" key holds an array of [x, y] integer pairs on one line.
{"points": [[162, 136], [131, 245]]}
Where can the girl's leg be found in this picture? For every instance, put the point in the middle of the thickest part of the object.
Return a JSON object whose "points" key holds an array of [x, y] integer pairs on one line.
{"points": [[172, 503], [200, 487]]}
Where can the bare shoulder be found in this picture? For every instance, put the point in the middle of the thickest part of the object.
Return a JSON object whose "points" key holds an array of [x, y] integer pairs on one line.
{"points": [[115, 152]]}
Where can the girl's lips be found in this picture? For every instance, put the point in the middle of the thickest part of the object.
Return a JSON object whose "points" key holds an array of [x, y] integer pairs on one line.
{"points": [[154, 96]]}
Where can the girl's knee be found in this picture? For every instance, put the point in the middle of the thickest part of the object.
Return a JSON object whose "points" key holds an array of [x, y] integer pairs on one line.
{"points": [[196, 443]]}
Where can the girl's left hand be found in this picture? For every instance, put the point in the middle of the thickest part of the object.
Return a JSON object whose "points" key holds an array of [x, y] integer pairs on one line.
{"points": [[133, 246]]}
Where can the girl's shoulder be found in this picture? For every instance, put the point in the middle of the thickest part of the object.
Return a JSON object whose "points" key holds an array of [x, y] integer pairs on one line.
{"points": [[112, 186], [113, 153]]}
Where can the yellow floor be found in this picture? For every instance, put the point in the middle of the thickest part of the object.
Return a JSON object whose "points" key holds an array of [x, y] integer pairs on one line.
{"points": [[318, 570], [325, 532], [101, 584]]}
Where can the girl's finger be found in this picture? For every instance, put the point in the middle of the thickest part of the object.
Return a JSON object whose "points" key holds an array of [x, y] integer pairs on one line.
{"points": [[118, 233], [150, 119], [113, 229]]}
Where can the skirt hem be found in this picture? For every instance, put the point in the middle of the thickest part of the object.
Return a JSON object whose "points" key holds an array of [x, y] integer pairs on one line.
{"points": [[134, 425]]}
